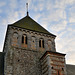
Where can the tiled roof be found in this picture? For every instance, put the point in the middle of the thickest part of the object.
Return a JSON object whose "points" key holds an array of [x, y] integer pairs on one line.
{"points": [[28, 23], [70, 69], [51, 52]]}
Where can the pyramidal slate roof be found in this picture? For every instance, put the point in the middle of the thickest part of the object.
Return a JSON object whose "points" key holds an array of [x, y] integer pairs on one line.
{"points": [[28, 23]]}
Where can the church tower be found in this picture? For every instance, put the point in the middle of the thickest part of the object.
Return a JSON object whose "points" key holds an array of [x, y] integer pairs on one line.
{"points": [[30, 50]]}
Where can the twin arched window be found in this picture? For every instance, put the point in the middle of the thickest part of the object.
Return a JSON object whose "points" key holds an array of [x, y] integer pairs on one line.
{"points": [[41, 43], [24, 39]]}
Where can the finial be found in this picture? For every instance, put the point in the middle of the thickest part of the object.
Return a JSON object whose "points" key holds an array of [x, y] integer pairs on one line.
{"points": [[27, 9]]}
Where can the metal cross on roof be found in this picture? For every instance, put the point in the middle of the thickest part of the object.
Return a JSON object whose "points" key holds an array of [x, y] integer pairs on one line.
{"points": [[27, 9]]}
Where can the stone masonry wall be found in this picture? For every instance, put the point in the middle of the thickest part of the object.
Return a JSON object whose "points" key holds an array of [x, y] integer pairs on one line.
{"points": [[49, 41], [21, 60], [53, 64], [26, 62], [58, 64]]}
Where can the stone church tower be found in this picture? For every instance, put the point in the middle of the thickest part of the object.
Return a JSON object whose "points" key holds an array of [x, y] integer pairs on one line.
{"points": [[30, 50]]}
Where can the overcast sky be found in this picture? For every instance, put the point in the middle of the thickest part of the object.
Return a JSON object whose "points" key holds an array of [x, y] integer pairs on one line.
{"points": [[57, 16]]}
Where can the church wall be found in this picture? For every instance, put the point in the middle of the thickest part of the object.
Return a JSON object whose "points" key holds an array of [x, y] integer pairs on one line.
{"points": [[45, 65], [37, 36], [49, 41], [13, 44], [53, 64], [22, 62], [26, 62], [58, 64]]}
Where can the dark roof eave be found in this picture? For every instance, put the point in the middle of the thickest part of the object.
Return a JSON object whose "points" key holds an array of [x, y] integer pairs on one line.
{"points": [[47, 52]]}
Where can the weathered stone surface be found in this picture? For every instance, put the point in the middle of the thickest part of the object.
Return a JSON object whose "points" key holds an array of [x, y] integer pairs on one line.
{"points": [[26, 62], [23, 59], [55, 63]]}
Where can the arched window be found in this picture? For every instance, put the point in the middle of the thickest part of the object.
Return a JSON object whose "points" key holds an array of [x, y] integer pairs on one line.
{"points": [[24, 39], [49, 44], [33, 43], [41, 43], [15, 39]]}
